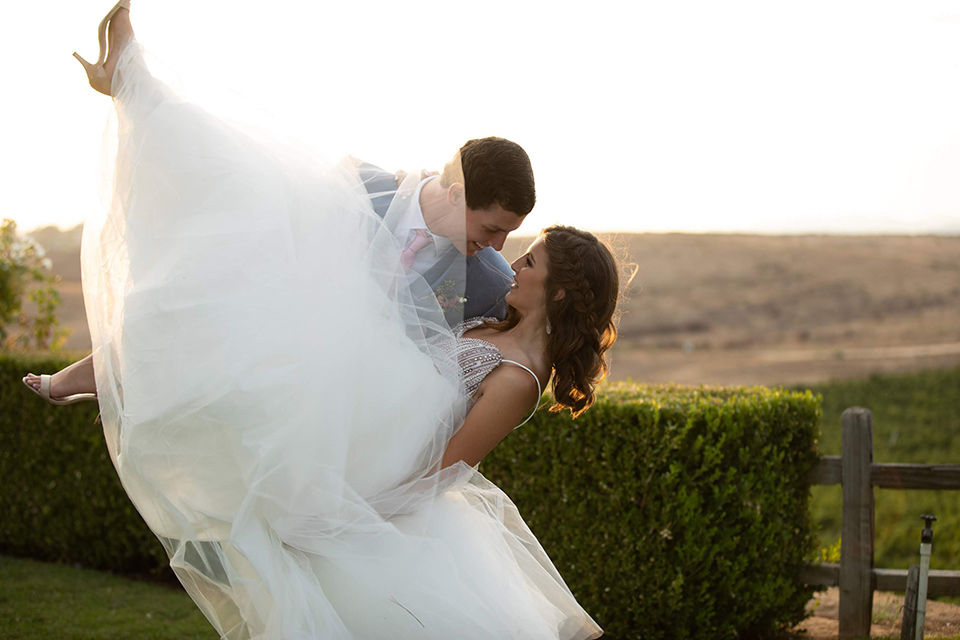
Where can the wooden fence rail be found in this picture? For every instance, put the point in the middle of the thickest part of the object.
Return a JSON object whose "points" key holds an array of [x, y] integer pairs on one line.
{"points": [[858, 474]]}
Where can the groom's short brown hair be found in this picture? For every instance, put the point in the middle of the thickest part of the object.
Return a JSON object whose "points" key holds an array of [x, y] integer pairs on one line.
{"points": [[493, 171]]}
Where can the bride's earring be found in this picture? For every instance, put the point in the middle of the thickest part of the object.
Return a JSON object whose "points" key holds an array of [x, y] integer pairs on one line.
{"points": [[548, 327]]}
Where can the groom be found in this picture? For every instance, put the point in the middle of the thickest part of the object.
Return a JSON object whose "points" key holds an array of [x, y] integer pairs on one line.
{"points": [[483, 194]]}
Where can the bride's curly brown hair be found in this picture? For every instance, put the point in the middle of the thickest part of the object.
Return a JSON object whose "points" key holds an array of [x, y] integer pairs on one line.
{"points": [[582, 321]]}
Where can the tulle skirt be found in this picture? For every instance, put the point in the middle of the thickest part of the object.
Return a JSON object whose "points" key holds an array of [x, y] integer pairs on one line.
{"points": [[276, 396]]}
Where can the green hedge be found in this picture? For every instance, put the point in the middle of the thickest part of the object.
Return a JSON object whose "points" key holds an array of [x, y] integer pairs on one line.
{"points": [[672, 512], [60, 498]]}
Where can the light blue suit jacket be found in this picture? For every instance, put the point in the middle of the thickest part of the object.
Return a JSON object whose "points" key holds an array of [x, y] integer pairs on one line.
{"points": [[488, 274]]}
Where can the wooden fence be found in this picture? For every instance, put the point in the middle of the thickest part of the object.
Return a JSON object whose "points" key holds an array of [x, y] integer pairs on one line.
{"points": [[856, 471]]}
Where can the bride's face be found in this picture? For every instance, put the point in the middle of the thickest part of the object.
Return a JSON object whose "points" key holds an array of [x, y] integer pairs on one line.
{"points": [[528, 290]]}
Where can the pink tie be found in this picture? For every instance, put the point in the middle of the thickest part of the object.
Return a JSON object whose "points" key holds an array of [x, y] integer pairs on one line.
{"points": [[420, 239]]}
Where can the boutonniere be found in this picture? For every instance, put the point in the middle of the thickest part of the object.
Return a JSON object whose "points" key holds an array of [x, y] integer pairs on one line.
{"points": [[448, 296]]}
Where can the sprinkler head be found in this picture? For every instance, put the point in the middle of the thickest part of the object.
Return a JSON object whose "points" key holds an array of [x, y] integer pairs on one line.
{"points": [[926, 536]]}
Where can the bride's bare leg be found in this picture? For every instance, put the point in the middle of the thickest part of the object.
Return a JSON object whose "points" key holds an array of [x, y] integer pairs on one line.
{"points": [[120, 35], [77, 378]]}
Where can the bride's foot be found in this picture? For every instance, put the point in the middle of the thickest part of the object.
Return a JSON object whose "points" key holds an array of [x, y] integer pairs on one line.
{"points": [[72, 384], [117, 21]]}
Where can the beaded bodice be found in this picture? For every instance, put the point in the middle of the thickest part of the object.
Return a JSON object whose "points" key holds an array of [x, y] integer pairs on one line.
{"points": [[476, 357]]}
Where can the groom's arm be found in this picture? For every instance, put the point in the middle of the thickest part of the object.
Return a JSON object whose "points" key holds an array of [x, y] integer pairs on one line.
{"points": [[380, 185]]}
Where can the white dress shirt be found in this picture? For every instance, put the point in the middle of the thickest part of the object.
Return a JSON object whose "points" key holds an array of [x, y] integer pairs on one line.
{"points": [[409, 220]]}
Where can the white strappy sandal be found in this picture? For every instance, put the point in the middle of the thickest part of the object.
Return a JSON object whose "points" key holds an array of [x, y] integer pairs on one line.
{"points": [[44, 393]]}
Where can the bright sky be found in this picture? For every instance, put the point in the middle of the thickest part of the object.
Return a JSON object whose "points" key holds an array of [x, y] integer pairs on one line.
{"points": [[807, 116]]}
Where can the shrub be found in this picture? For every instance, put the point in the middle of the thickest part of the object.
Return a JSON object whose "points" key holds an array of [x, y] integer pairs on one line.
{"points": [[25, 274], [671, 512], [60, 497]]}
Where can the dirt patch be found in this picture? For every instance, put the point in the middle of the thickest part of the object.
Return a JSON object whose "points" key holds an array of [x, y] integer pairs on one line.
{"points": [[942, 619]]}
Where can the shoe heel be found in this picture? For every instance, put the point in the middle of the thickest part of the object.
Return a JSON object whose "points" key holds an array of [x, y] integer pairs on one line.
{"points": [[96, 75], [86, 65]]}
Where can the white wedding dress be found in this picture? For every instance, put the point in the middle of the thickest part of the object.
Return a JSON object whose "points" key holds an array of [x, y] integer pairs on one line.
{"points": [[277, 395]]}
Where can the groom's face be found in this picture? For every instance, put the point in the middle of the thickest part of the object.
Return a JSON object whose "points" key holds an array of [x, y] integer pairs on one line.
{"points": [[489, 227]]}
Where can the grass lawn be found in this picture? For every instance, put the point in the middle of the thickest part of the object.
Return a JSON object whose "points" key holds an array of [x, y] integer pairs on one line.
{"points": [[39, 600], [916, 418]]}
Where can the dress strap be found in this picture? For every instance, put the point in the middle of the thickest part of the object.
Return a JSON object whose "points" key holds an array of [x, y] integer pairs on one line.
{"points": [[539, 390]]}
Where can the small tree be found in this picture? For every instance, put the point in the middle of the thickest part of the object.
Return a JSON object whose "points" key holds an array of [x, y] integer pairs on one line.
{"points": [[25, 272]]}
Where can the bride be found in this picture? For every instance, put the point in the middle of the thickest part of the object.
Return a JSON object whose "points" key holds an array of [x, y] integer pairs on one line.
{"points": [[288, 407]]}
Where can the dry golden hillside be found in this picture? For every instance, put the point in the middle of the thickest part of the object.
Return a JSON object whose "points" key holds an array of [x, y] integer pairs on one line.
{"points": [[741, 309]]}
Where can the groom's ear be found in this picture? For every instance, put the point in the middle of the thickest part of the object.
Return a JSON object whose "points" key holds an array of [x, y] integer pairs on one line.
{"points": [[456, 195]]}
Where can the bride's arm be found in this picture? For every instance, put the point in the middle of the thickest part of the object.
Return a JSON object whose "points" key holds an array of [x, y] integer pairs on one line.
{"points": [[504, 399]]}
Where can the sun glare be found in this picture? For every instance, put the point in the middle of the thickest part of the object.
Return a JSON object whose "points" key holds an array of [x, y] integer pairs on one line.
{"points": [[740, 116]]}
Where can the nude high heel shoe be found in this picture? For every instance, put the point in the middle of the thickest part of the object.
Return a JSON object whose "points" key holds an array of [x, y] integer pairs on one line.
{"points": [[96, 74]]}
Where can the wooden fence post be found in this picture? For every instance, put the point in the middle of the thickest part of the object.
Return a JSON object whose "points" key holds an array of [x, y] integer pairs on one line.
{"points": [[909, 625], [856, 547]]}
